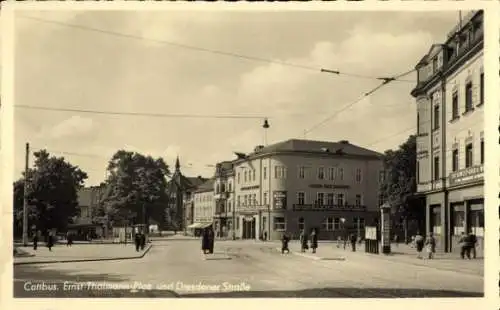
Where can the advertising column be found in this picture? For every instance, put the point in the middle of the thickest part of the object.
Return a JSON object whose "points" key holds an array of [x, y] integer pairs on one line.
{"points": [[385, 227]]}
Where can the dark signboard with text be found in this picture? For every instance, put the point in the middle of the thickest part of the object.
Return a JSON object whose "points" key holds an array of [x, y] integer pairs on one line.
{"points": [[279, 199], [467, 175]]}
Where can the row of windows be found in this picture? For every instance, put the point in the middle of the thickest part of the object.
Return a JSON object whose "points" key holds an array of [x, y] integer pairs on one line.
{"points": [[328, 224], [328, 199], [322, 173], [455, 162], [202, 198], [455, 105], [221, 188]]}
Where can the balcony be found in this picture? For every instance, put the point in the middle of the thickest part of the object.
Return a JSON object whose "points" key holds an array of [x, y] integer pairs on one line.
{"points": [[469, 175], [315, 207]]}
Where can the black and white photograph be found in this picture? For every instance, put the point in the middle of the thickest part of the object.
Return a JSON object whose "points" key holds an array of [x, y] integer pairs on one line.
{"points": [[248, 154]]}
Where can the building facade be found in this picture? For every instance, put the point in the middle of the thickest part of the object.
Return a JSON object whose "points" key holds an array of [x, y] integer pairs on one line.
{"points": [[83, 226], [450, 134], [223, 191], [179, 191], [203, 206], [299, 185]]}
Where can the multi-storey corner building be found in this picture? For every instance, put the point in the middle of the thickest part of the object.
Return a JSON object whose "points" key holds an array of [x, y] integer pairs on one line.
{"points": [[301, 184], [223, 191], [203, 206], [450, 142]]}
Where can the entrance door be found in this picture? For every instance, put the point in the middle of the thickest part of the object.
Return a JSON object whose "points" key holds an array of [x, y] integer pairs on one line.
{"points": [[248, 228]]}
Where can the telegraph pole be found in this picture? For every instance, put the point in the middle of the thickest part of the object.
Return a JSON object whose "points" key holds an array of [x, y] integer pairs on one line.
{"points": [[25, 196]]}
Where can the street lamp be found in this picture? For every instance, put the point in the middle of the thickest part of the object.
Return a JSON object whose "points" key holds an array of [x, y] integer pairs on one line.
{"points": [[265, 126]]}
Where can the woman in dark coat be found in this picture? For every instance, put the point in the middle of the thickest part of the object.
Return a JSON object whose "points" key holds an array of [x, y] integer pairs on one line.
{"points": [[211, 240], [204, 241], [314, 240], [50, 241], [303, 241]]}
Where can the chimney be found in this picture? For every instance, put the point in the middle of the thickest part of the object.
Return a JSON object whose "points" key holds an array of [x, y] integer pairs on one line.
{"points": [[258, 148], [344, 141]]}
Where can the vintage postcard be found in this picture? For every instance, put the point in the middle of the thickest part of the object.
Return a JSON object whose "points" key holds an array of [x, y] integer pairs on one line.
{"points": [[186, 152]]}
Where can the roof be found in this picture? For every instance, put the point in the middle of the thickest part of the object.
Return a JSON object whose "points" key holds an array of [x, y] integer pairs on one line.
{"points": [[320, 147], [180, 181], [208, 186]]}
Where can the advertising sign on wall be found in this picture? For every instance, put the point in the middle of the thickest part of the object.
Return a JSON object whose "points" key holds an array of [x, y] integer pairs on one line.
{"points": [[279, 199]]}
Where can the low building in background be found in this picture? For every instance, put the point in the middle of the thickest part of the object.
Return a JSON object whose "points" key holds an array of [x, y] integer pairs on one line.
{"points": [[300, 185], [83, 226], [223, 191]]}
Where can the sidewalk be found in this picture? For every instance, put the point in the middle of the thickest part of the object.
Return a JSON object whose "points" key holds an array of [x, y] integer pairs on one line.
{"points": [[402, 254], [78, 253]]}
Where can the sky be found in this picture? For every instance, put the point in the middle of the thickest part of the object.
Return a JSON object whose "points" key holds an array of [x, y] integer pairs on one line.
{"points": [[60, 66]]}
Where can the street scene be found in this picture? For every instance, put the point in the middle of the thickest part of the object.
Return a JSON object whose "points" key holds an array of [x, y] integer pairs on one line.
{"points": [[233, 154]]}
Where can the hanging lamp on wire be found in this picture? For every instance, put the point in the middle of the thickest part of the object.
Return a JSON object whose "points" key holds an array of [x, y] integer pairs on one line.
{"points": [[265, 126]]}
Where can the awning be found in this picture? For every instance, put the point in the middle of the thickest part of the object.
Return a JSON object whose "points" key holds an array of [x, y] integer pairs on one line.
{"points": [[199, 225], [194, 225], [204, 225]]}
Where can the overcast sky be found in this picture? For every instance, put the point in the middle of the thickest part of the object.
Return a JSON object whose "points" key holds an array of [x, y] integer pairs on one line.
{"points": [[65, 67]]}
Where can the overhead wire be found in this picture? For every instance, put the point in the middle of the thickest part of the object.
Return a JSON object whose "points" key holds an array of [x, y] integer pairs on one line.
{"points": [[207, 50]]}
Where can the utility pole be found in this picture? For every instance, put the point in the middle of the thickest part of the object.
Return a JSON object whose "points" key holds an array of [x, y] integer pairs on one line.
{"points": [[25, 196]]}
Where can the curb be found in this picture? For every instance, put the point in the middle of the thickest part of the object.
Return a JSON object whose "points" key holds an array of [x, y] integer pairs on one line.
{"points": [[85, 260]]}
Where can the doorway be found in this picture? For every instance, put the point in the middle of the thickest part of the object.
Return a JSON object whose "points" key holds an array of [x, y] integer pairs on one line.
{"points": [[248, 228]]}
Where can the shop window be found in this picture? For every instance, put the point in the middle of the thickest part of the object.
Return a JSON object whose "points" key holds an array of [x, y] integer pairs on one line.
{"points": [[302, 224], [279, 223], [458, 218], [476, 222], [328, 224], [436, 220]]}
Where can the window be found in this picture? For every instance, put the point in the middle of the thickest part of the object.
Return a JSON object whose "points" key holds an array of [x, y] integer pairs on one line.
{"points": [[341, 173], [436, 168], [265, 198], [229, 206], [468, 97], [279, 172], [301, 198], [468, 155], [238, 178], [434, 64], [340, 199], [255, 202], [321, 173], [302, 172], [264, 173], [336, 223], [436, 117], [230, 187], [328, 224], [302, 224], [217, 188], [481, 88], [358, 175], [279, 223], [361, 222], [246, 200], [358, 200], [454, 160], [454, 106], [331, 173], [238, 200], [253, 175], [330, 197], [482, 151], [321, 199], [245, 176]]}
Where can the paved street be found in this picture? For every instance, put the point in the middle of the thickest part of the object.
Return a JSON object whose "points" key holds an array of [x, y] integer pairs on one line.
{"points": [[176, 268]]}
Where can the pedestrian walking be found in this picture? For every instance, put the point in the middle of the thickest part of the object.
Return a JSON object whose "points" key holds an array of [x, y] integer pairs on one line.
{"points": [[353, 242], [346, 239], [396, 240], [35, 240], [303, 241], [211, 240], [69, 239], [143, 240], [465, 246], [314, 240], [419, 244], [137, 241], [205, 246], [50, 241], [473, 244], [430, 245], [285, 239], [265, 235]]}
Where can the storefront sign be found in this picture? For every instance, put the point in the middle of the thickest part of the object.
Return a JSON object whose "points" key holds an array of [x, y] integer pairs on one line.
{"points": [[279, 199], [370, 233], [329, 207], [327, 186], [467, 175], [245, 188]]}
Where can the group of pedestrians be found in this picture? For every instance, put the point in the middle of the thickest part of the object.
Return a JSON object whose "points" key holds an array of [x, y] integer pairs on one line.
{"points": [[429, 243], [351, 238], [467, 244], [49, 243], [306, 241]]}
